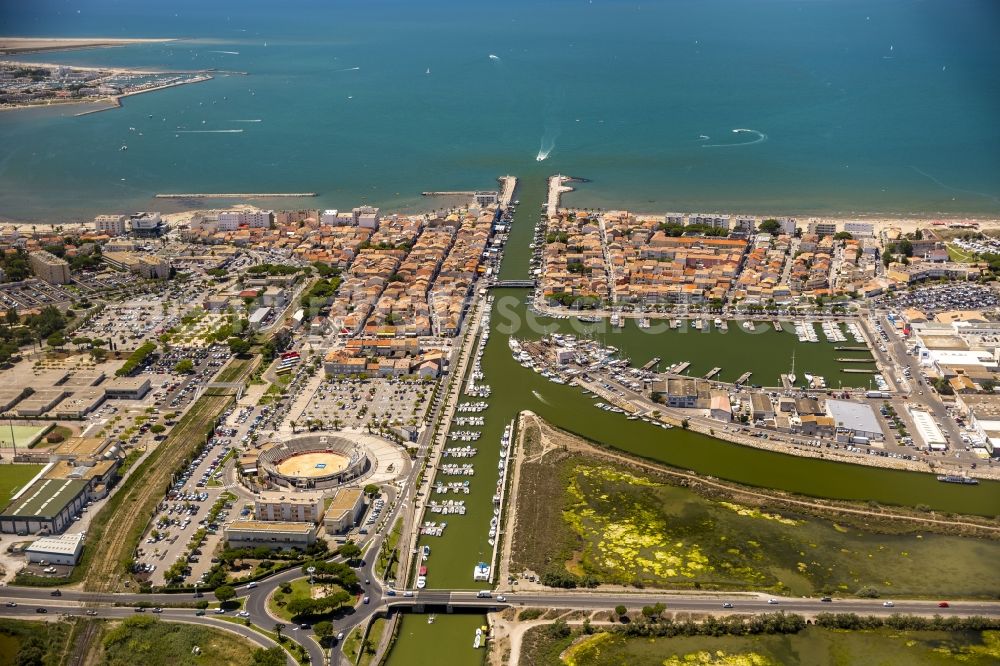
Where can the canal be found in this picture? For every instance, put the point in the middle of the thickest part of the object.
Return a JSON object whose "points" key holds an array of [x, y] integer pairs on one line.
{"points": [[436, 640]]}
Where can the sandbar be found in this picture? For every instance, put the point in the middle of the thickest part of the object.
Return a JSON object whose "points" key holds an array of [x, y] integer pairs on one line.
{"points": [[10, 45]]}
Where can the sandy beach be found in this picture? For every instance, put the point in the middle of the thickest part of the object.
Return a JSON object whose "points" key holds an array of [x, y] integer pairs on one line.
{"points": [[11, 45]]}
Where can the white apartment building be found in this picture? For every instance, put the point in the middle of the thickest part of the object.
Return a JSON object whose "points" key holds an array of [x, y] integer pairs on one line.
{"points": [[112, 225], [714, 221], [860, 229], [298, 507], [329, 217], [231, 220], [822, 228], [367, 216]]}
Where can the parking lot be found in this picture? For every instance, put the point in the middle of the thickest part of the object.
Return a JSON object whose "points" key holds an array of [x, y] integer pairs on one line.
{"points": [[128, 325], [33, 293], [189, 506], [356, 403], [941, 298]]}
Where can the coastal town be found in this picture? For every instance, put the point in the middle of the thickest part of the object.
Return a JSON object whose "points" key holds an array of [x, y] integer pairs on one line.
{"points": [[344, 357], [649, 334]]}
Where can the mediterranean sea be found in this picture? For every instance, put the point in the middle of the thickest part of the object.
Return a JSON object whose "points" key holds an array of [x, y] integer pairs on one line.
{"points": [[773, 106]]}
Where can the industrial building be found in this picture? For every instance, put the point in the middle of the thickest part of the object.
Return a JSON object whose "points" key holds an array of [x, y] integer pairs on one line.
{"points": [[855, 421], [64, 549]]}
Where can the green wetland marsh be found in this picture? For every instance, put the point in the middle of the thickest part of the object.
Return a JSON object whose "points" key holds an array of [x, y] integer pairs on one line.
{"points": [[812, 646], [604, 523]]}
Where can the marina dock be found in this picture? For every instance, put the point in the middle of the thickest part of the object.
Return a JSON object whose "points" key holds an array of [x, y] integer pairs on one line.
{"points": [[652, 362], [447, 194], [860, 349], [237, 195], [681, 367], [858, 371], [855, 360], [777, 326], [713, 372], [744, 378]]}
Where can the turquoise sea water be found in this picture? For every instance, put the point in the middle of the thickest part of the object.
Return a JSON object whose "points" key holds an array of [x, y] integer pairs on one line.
{"points": [[887, 107]]}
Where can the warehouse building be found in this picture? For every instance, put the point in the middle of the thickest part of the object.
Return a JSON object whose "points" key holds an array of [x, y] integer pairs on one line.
{"points": [[855, 421], [63, 549], [48, 506]]}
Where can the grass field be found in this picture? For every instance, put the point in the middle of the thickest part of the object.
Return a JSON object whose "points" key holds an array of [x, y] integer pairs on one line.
{"points": [[959, 255], [24, 436], [811, 647], [151, 642], [612, 525], [13, 477]]}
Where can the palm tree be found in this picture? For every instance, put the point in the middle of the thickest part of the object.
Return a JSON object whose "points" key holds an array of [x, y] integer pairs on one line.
{"points": [[278, 627], [293, 424]]}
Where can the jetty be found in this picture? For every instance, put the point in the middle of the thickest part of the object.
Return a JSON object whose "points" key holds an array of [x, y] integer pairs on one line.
{"points": [[652, 362], [742, 379], [508, 184], [448, 194], [863, 349], [557, 187], [777, 326], [713, 372], [235, 195], [855, 360], [858, 371], [681, 367]]}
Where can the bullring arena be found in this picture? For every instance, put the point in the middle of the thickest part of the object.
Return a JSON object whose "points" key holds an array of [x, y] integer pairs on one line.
{"points": [[314, 461], [312, 465]]}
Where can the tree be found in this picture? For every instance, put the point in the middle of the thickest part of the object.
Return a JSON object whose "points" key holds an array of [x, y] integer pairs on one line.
{"points": [[323, 629], [56, 340], [843, 235], [620, 610], [239, 346], [184, 366], [278, 628], [225, 593], [770, 226], [157, 428], [559, 629], [371, 490], [349, 551]]}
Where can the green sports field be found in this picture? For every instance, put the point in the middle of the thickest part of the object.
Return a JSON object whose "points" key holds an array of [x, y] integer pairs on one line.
{"points": [[13, 477], [23, 435]]}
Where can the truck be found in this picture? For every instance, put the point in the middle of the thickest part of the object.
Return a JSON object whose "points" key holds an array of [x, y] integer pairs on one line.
{"points": [[876, 394]]}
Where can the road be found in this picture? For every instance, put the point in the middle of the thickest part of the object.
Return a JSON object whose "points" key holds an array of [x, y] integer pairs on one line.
{"points": [[28, 611]]}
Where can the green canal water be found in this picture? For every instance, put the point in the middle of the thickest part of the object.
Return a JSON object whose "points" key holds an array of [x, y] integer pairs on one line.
{"points": [[448, 640]]}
